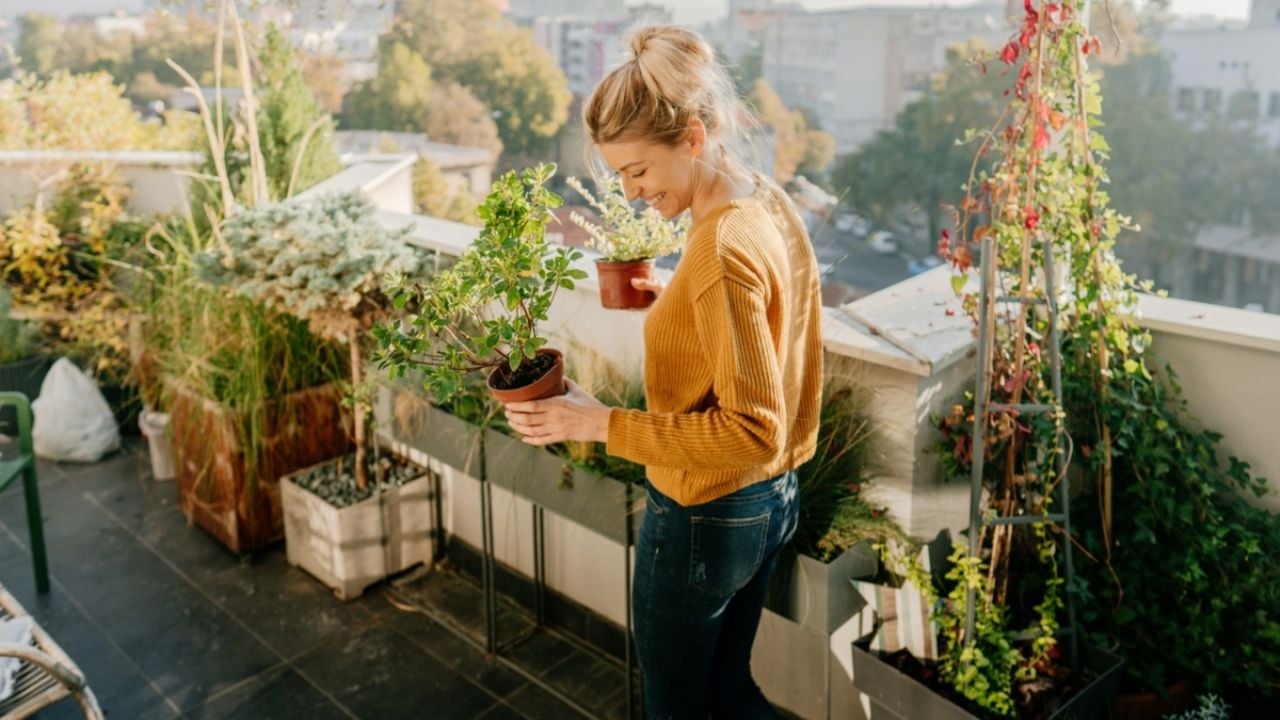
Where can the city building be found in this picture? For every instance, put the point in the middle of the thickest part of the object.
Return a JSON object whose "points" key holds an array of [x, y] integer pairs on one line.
{"points": [[526, 12], [857, 69], [1228, 69]]}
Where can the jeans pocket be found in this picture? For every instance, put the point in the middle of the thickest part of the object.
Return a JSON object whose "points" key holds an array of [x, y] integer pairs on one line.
{"points": [[725, 553]]}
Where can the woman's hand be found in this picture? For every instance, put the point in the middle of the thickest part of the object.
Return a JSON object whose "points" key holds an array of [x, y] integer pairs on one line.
{"points": [[653, 285], [576, 415]]}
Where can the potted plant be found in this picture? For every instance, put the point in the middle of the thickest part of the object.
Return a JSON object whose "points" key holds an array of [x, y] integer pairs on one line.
{"points": [[322, 262], [483, 312], [837, 527], [252, 393], [22, 366], [628, 241]]}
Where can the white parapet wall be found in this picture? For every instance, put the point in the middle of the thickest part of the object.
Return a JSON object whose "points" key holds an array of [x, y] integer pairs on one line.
{"points": [[1228, 364], [160, 179]]}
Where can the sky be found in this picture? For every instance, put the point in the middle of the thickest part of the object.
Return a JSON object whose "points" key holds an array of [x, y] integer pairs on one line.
{"points": [[697, 11], [686, 11]]}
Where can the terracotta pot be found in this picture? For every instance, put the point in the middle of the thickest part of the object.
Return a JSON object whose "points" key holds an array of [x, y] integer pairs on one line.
{"points": [[549, 385], [1151, 706], [616, 292]]}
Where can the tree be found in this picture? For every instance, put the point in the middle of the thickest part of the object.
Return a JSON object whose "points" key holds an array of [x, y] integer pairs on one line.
{"points": [[819, 151], [918, 162], [794, 144], [397, 98], [145, 88], [291, 122], [749, 68], [498, 62], [457, 116], [324, 75], [434, 196], [38, 37]]}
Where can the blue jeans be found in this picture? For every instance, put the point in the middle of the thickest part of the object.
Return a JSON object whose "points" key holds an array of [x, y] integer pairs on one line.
{"points": [[700, 581]]}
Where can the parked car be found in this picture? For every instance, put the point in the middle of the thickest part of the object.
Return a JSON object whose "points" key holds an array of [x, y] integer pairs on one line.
{"points": [[882, 242], [848, 222], [919, 265]]}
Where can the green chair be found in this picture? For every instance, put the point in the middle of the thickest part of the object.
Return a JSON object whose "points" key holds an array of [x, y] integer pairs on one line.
{"points": [[23, 464]]}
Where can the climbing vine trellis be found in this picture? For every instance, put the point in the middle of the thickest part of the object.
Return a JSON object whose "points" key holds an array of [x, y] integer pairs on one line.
{"points": [[1035, 201]]}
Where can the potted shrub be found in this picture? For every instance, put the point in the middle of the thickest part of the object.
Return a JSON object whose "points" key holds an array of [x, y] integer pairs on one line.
{"points": [[837, 527], [323, 262], [250, 391], [628, 241], [483, 312], [22, 365]]}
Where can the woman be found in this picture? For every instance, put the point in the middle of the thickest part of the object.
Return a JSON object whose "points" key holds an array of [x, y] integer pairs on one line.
{"points": [[733, 368]]}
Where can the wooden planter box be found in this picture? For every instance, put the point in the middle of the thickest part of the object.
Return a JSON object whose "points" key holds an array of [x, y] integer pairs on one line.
{"points": [[353, 547], [594, 501], [895, 694], [818, 595], [303, 428]]}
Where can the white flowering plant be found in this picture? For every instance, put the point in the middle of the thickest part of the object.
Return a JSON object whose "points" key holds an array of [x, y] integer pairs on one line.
{"points": [[626, 235]]}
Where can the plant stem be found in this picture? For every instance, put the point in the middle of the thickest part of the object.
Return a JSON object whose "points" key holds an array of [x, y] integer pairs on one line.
{"points": [[357, 407]]}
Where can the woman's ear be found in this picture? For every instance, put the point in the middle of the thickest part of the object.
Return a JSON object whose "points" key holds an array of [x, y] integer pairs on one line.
{"points": [[697, 137]]}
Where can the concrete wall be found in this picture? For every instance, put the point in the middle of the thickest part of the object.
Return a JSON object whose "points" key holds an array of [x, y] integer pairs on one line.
{"points": [[158, 179], [1228, 363]]}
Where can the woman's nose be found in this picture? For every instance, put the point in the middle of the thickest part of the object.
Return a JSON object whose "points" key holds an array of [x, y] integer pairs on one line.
{"points": [[630, 189]]}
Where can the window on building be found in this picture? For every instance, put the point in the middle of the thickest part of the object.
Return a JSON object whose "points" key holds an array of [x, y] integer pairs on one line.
{"points": [[1212, 100], [1274, 109], [1186, 100], [1244, 105]]}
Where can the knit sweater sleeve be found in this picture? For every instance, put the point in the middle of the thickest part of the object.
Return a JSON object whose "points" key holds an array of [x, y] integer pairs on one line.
{"points": [[746, 426]]}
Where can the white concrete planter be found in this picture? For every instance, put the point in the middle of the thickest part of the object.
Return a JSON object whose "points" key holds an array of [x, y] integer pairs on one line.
{"points": [[351, 548]]}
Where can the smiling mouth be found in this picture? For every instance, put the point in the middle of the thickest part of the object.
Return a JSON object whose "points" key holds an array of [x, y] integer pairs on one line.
{"points": [[660, 197]]}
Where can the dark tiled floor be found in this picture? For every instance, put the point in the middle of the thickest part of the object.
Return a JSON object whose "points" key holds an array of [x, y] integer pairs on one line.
{"points": [[165, 623]]}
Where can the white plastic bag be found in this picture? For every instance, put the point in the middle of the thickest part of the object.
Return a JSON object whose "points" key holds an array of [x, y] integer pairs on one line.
{"points": [[12, 630], [73, 421]]}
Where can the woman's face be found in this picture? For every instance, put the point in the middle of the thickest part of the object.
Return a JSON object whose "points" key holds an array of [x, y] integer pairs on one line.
{"points": [[661, 175]]}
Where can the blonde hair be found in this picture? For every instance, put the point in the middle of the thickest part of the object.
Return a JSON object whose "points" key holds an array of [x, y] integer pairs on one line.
{"points": [[670, 79]]}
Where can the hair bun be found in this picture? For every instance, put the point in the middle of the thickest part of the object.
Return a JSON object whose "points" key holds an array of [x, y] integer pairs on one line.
{"points": [[640, 39]]}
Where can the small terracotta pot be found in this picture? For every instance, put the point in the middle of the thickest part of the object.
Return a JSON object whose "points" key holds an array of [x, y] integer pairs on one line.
{"points": [[549, 385], [616, 292]]}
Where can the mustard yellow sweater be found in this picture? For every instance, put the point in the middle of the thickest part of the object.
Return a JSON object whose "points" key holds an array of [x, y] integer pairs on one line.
{"points": [[733, 356]]}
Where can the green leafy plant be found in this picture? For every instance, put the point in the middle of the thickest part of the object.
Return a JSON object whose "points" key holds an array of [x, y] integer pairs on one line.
{"points": [[1210, 707], [483, 312], [834, 514], [321, 262], [626, 235], [18, 338]]}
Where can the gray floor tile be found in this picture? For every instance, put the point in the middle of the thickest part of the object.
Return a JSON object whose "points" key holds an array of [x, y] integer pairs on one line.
{"points": [[379, 673]]}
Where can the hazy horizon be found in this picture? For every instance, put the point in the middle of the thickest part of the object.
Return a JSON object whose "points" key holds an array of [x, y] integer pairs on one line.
{"points": [[685, 11]]}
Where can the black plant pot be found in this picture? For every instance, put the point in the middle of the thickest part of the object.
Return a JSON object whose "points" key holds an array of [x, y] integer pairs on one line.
{"points": [[24, 376]]}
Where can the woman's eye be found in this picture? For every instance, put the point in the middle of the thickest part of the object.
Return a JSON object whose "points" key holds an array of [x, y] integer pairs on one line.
{"points": [[638, 175]]}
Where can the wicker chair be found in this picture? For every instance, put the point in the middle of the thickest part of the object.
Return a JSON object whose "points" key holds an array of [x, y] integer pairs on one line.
{"points": [[46, 674]]}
